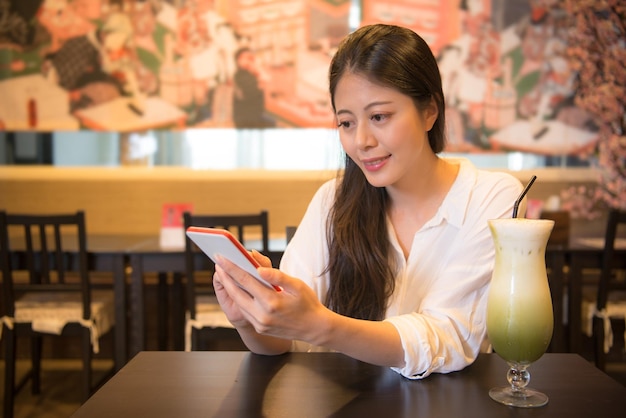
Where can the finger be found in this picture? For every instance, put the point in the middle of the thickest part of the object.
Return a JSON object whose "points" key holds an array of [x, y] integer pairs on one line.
{"points": [[220, 278], [230, 285], [240, 277], [261, 259], [246, 303], [277, 278], [217, 281]]}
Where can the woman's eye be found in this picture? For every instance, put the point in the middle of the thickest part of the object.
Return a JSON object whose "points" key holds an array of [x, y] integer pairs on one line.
{"points": [[379, 117], [344, 124]]}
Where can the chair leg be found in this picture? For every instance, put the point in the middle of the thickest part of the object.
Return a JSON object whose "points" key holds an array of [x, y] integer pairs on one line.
{"points": [[598, 341], [162, 311], [36, 348], [194, 339], [9, 371], [87, 370], [178, 313]]}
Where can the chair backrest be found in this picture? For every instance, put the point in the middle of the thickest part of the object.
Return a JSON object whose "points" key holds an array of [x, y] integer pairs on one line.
{"points": [[290, 231], [237, 224], [44, 248], [615, 219]]}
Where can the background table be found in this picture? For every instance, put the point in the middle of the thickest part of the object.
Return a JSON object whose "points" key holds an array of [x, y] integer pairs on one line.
{"points": [[241, 384], [50, 100], [108, 253], [117, 116]]}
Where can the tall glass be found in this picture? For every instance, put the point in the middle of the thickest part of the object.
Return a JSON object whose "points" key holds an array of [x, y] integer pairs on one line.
{"points": [[519, 306]]}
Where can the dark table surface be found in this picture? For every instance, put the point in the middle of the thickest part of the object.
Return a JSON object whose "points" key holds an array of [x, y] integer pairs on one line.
{"points": [[241, 384]]}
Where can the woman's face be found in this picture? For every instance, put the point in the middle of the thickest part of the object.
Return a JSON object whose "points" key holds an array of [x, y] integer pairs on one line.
{"points": [[382, 130]]}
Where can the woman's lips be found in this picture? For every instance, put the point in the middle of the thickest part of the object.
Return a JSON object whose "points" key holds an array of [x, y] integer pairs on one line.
{"points": [[375, 164]]}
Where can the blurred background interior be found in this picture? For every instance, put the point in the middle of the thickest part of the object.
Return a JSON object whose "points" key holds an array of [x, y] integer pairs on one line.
{"points": [[160, 129]]}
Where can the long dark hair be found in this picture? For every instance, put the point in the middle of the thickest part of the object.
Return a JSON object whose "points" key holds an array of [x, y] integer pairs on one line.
{"points": [[360, 266]]}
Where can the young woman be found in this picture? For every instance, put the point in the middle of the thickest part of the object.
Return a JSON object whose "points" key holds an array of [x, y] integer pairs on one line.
{"points": [[391, 262]]}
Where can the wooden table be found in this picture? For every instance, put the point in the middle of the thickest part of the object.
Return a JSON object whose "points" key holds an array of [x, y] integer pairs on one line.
{"points": [[148, 256], [558, 138], [241, 384], [116, 115], [50, 102], [108, 254]]}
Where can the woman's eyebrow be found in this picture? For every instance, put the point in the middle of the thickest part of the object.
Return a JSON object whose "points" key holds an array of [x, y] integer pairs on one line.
{"points": [[369, 106]]}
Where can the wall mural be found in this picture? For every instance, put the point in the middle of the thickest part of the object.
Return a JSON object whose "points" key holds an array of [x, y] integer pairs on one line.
{"points": [[133, 65]]}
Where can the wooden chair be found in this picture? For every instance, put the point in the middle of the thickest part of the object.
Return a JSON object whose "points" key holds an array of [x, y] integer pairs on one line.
{"points": [[202, 308], [290, 231], [610, 301], [46, 290]]}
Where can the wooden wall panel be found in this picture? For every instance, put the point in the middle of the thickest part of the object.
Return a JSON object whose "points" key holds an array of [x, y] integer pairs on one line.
{"points": [[129, 200]]}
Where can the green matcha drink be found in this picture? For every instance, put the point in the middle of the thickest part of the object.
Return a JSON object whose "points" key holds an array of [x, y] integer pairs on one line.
{"points": [[519, 307]]}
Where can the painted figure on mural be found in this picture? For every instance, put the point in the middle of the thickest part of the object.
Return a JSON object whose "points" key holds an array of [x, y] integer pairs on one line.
{"points": [[78, 64], [544, 49], [196, 48], [206, 42], [249, 94], [99, 65], [468, 67], [18, 23], [65, 20]]}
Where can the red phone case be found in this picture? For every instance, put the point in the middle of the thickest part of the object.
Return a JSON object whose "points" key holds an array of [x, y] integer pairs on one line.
{"points": [[214, 241]]}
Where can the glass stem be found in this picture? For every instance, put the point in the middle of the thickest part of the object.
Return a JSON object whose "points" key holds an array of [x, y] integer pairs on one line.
{"points": [[518, 378]]}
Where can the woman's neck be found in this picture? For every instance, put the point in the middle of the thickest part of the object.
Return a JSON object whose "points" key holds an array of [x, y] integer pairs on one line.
{"points": [[412, 206], [428, 187]]}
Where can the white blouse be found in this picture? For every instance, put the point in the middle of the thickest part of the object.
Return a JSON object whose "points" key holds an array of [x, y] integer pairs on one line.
{"points": [[439, 302]]}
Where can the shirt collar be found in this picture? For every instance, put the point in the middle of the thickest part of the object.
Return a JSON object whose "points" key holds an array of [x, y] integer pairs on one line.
{"points": [[453, 209]]}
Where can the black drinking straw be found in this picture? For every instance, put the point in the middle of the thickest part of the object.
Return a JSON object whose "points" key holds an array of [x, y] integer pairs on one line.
{"points": [[521, 196]]}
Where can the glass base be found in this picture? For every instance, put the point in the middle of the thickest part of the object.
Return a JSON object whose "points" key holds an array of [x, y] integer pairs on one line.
{"points": [[525, 398]]}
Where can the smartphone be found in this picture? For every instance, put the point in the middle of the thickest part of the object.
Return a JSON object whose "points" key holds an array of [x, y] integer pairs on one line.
{"points": [[214, 241]]}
